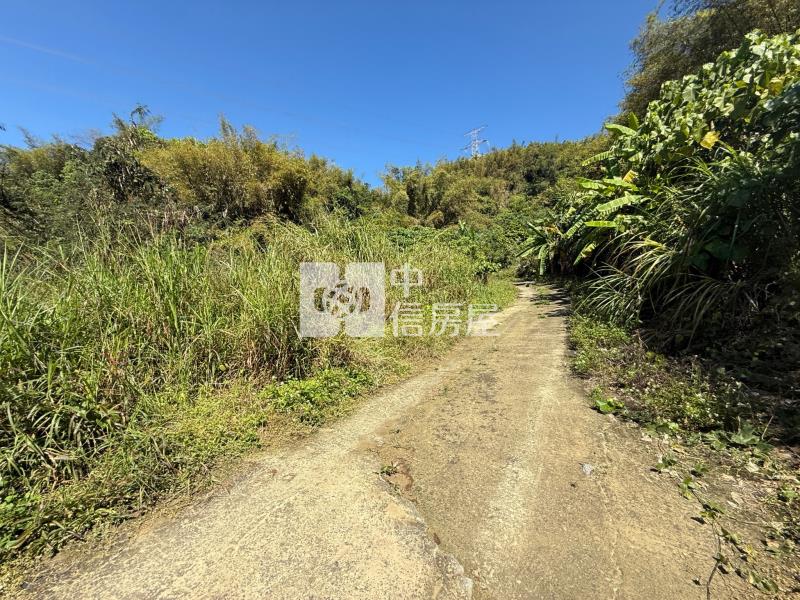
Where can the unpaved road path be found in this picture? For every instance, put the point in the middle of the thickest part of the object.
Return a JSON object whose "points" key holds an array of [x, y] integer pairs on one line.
{"points": [[483, 494]]}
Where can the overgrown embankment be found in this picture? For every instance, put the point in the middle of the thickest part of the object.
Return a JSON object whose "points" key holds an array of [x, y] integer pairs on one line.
{"points": [[691, 233], [129, 367], [693, 226], [683, 253], [149, 312]]}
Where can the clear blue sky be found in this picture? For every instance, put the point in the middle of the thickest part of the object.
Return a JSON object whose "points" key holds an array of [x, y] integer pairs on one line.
{"points": [[364, 83]]}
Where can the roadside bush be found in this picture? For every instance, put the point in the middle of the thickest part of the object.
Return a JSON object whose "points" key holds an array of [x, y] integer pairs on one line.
{"points": [[235, 176], [695, 221]]}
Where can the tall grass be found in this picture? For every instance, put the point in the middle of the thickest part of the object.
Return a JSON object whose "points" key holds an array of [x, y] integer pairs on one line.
{"points": [[128, 366]]}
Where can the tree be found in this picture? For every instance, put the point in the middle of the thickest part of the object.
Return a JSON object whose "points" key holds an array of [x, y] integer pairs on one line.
{"points": [[696, 33]]}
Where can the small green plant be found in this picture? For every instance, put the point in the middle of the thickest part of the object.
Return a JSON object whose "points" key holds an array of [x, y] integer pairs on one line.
{"points": [[711, 510], [389, 469], [605, 405], [788, 494], [699, 469], [687, 487], [745, 436], [665, 462]]}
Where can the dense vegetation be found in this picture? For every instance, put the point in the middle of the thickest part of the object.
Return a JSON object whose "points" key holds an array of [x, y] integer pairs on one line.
{"points": [[693, 226], [51, 191], [493, 197], [148, 286], [148, 313], [696, 33], [117, 362]]}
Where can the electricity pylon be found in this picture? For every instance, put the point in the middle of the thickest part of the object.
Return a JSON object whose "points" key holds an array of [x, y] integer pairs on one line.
{"points": [[475, 142]]}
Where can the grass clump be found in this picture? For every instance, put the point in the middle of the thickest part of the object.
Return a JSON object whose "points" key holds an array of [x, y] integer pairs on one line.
{"points": [[316, 399]]}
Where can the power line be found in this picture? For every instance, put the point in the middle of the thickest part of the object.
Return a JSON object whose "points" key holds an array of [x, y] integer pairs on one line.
{"points": [[475, 141]]}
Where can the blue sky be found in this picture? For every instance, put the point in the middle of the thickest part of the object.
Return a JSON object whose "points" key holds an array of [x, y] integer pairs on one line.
{"points": [[362, 83]]}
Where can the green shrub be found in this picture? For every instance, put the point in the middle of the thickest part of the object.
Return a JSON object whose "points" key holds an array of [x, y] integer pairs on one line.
{"points": [[236, 176], [695, 219]]}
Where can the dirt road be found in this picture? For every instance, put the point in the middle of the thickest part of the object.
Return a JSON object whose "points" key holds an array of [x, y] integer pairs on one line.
{"points": [[485, 476]]}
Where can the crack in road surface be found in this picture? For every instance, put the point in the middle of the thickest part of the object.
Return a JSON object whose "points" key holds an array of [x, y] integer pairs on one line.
{"points": [[487, 498]]}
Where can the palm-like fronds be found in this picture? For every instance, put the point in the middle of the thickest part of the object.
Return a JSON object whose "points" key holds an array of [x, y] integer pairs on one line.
{"points": [[697, 213]]}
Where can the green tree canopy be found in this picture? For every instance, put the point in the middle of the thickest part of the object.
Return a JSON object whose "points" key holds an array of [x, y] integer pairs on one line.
{"points": [[695, 33]]}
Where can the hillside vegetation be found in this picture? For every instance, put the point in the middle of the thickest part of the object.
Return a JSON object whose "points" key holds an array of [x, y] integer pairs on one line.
{"points": [[696, 33], [682, 254], [149, 312], [127, 368], [149, 286], [694, 220]]}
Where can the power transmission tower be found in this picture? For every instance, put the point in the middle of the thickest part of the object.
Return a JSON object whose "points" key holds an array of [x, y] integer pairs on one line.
{"points": [[475, 141]]}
